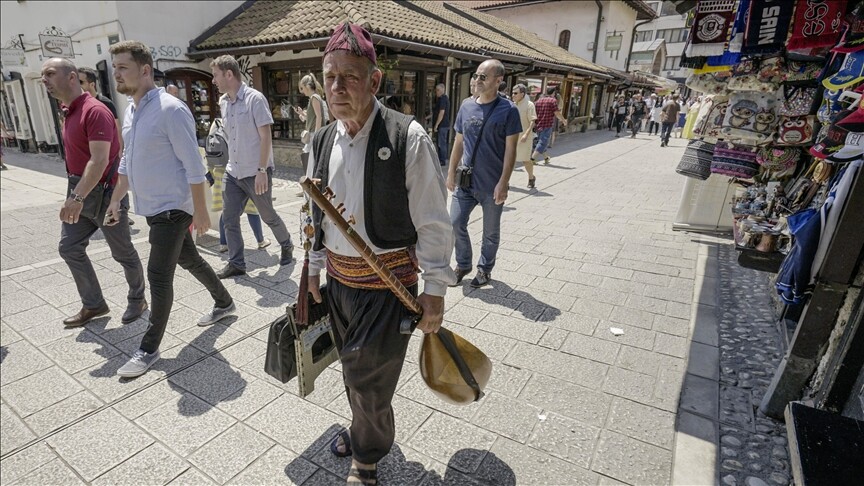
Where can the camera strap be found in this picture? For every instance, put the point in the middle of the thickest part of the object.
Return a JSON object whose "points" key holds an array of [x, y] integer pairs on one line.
{"points": [[480, 133]]}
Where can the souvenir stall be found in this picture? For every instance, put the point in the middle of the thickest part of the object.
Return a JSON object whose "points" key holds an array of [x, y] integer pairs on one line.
{"points": [[781, 122]]}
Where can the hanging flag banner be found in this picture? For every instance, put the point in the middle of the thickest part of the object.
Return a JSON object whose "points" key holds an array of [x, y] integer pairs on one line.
{"points": [[767, 26]]}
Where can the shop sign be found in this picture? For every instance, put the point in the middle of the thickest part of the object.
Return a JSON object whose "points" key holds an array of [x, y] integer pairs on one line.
{"points": [[613, 42], [13, 57], [56, 46]]}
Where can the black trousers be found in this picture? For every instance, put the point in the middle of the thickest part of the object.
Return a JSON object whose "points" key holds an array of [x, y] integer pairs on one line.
{"points": [[372, 351], [171, 244]]}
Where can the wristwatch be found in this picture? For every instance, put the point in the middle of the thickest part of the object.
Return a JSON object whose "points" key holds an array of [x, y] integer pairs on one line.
{"points": [[78, 198], [262, 170]]}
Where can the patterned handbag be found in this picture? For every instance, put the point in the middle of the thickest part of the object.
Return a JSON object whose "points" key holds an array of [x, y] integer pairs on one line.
{"points": [[795, 130], [696, 161], [734, 160], [797, 100]]}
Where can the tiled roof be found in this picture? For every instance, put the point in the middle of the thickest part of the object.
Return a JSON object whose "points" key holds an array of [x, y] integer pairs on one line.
{"points": [[643, 10], [426, 22]]}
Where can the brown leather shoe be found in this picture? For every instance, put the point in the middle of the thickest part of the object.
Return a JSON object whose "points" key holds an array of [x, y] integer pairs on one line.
{"points": [[85, 315], [133, 312]]}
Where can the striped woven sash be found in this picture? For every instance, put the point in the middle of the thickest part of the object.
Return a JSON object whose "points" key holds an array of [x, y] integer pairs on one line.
{"points": [[355, 272]]}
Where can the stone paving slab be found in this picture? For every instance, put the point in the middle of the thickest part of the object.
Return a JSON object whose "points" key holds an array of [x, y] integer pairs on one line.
{"points": [[568, 403]]}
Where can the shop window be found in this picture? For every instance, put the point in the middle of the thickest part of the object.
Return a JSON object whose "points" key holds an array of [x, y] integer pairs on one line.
{"points": [[564, 39], [644, 36], [672, 35], [282, 89], [400, 91], [672, 63], [197, 91]]}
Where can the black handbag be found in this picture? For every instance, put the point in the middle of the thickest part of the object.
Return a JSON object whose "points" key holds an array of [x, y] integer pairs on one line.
{"points": [[281, 359]]}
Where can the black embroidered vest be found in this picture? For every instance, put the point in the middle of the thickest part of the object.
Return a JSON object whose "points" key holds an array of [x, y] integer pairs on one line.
{"points": [[385, 197]]}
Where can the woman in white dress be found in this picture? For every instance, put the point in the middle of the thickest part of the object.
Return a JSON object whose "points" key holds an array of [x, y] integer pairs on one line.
{"points": [[655, 117], [528, 115]]}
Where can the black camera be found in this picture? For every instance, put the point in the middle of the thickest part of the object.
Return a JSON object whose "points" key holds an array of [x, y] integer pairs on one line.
{"points": [[463, 177]]}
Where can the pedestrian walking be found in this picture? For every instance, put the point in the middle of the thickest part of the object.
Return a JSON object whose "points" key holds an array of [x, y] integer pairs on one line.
{"points": [[487, 133], [249, 173], [162, 166], [314, 116], [402, 212], [441, 126], [620, 107], [547, 111], [656, 112], [216, 154], [88, 78], [669, 119], [92, 159], [527, 116], [638, 109]]}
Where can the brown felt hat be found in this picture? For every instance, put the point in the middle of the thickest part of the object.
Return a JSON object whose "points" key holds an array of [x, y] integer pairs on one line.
{"points": [[454, 369]]}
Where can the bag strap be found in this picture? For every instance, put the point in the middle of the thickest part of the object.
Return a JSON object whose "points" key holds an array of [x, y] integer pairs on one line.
{"points": [[480, 133], [446, 338]]}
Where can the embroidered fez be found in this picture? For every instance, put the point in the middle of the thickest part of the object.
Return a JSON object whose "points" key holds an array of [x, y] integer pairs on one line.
{"points": [[352, 38]]}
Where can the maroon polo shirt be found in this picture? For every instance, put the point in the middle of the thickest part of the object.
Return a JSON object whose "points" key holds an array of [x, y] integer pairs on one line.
{"points": [[88, 120]]}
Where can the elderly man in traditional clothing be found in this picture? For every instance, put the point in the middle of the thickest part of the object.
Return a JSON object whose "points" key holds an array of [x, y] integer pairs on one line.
{"points": [[382, 166]]}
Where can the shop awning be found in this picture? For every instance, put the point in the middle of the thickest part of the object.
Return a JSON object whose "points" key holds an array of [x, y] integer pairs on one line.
{"points": [[428, 26]]}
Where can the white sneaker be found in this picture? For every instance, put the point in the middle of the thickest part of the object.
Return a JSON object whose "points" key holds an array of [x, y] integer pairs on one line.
{"points": [[138, 364], [223, 248], [217, 314], [263, 244]]}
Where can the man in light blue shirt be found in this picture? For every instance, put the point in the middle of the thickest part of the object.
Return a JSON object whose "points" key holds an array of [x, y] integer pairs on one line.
{"points": [[249, 173], [162, 167]]}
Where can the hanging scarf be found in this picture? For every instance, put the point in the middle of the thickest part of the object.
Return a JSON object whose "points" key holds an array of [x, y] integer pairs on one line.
{"points": [[711, 27], [767, 26], [817, 23]]}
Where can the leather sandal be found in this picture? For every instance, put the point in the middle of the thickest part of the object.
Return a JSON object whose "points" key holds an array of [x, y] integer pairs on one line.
{"points": [[346, 443], [368, 477]]}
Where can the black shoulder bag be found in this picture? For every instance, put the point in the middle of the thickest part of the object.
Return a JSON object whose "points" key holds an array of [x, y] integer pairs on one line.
{"points": [[463, 172]]}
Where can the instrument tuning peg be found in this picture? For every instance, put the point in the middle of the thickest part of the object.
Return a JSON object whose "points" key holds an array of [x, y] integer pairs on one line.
{"points": [[340, 208], [351, 220], [328, 193]]}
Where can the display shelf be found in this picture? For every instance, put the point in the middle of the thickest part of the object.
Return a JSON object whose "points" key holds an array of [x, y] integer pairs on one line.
{"points": [[754, 259]]}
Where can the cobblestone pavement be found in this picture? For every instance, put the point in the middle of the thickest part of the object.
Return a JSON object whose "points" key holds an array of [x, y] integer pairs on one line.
{"points": [[569, 402], [753, 447]]}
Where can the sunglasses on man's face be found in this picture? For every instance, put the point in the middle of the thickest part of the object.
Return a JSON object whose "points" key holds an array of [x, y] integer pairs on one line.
{"points": [[481, 77]]}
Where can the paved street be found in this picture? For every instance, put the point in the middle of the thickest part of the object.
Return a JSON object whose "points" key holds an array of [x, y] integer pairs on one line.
{"points": [[569, 402]]}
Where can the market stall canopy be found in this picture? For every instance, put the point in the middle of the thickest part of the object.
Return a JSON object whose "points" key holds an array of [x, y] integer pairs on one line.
{"points": [[431, 27]]}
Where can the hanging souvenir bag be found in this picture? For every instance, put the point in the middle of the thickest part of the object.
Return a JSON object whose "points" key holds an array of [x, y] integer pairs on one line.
{"points": [[777, 163], [797, 100], [696, 161], [795, 130], [711, 128], [734, 160], [751, 116], [744, 76], [708, 83]]}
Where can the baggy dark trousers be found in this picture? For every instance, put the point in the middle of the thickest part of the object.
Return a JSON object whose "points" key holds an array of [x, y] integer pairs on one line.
{"points": [[372, 350]]}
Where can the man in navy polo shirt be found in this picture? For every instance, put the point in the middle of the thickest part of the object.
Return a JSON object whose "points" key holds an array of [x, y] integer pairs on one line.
{"points": [[92, 149]]}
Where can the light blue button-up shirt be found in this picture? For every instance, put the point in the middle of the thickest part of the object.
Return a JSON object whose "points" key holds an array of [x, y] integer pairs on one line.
{"points": [[160, 155], [242, 117]]}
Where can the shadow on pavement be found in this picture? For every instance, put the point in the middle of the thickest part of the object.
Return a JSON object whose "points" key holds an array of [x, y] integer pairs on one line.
{"points": [[396, 468], [3, 353], [499, 293]]}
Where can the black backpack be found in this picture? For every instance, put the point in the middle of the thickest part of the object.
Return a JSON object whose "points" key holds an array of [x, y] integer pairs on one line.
{"points": [[216, 147]]}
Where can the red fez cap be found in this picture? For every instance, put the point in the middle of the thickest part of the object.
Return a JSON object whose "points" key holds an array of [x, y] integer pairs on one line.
{"points": [[352, 38]]}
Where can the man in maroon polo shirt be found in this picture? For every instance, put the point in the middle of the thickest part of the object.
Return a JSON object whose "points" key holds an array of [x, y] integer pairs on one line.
{"points": [[92, 156]]}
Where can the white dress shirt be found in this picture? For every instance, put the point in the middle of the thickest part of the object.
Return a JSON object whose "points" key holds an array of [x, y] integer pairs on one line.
{"points": [[427, 202]]}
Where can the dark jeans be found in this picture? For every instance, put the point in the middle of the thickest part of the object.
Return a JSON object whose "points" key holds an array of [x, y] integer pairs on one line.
{"points": [[666, 131], [171, 244], [443, 144], [254, 223], [235, 194], [619, 122], [74, 239], [653, 127], [463, 204], [372, 351], [636, 122]]}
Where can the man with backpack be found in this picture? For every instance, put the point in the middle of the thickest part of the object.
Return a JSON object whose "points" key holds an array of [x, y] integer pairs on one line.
{"points": [[249, 174]]}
